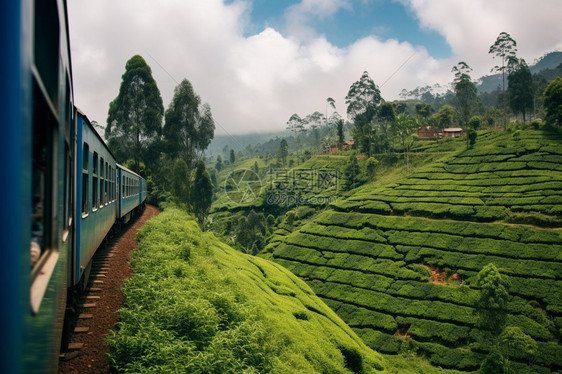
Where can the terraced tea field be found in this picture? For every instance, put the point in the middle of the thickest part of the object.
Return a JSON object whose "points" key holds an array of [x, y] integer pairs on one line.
{"points": [[517, 177], [407, 283]]}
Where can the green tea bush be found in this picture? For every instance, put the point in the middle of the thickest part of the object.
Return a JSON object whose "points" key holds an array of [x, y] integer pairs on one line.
{"points": [[194, 304]]}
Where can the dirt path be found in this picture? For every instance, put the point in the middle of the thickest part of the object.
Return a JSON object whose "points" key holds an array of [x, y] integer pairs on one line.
{"points": [[102, 300]]}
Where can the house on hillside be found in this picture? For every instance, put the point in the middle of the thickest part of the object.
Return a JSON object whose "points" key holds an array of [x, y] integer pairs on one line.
{"points": [[347, 144], [429, 132], [453, 132]]}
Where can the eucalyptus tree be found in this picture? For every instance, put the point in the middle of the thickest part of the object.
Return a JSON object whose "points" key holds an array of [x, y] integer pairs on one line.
{"points": [[362, 96], [505, 48], [465, 92], [403, 127], [296, 125], [283, 151], [332, 103], [135, 116], [314, 121], [520, 88], [189, 126]]}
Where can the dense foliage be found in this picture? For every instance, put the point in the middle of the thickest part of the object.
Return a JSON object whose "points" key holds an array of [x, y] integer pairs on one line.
{"points": [[194, 304], [135, 116]]}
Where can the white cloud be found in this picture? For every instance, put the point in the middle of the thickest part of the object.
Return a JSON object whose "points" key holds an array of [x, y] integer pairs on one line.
{"points": [[471, 26], [254, 83]]}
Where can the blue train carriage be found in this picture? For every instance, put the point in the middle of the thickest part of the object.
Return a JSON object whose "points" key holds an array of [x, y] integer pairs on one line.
{"points": [[36, 147], [130, 195], [143, 190], [96, 196]]}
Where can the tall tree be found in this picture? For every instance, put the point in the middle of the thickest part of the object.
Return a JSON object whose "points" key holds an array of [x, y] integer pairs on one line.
{"points": [[314, 121], [520, 88], [505, 48], [339, 126], [465, 92], [218, 164], [135, 116], [296, 125], [180, 182], [189, 126], [362, 95], [202, 196], [332, 103], [403, 128], [553, 102], [283, 151]]}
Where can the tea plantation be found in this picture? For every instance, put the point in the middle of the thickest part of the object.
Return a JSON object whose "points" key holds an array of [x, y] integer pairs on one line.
{"points": [[398, 262], [506, 176], [193, 304]]}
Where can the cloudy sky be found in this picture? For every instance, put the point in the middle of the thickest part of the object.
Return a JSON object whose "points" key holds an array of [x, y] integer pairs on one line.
{"points": [[256, 62]]}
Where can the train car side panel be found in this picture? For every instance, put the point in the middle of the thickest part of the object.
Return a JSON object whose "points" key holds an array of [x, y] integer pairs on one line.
{"points": [[15, 83], [128, 191], [36, 147], [96, 201]]}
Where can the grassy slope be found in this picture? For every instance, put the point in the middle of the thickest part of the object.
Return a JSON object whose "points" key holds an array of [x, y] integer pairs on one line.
{"points": [[372, 268], [195, 304]]}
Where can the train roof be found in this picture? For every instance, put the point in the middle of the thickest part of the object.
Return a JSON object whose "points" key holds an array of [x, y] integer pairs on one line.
{"points": [[79, 111], [129, 170]]}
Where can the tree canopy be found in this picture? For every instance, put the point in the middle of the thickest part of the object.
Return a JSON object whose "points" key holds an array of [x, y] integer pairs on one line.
{"points": [[362, 95], [189, 126], [520, 88], [135, 116], [553, 102], [505, 48]]}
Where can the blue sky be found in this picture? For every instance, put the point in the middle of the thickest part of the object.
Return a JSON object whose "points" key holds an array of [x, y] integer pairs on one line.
{"points": [[384, 19]]}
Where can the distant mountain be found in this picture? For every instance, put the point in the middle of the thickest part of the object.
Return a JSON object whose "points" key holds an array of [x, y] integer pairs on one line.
{"points": [[549, 61], [240, 142], [547, 64]]}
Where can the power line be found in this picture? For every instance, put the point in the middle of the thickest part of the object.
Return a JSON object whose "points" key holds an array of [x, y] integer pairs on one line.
{"points": [[397, 70], [214, 119]]}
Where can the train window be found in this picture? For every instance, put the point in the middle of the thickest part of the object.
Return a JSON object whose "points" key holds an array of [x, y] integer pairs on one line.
{"points": [[47, 46], [95, 193], [105, 197], [44, 196], [66, 192], [112, 184], [85, 184], [102, 181]]}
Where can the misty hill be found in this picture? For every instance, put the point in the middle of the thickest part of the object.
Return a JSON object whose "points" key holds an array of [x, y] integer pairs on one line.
{"points": [[240, 142], [547, 63], [398, 261]]}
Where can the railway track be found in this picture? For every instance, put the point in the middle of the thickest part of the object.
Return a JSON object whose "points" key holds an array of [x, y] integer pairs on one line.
{"points": [[97, 310]]}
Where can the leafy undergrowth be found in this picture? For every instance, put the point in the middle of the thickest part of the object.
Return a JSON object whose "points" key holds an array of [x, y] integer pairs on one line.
{"points": [[193, 304]]}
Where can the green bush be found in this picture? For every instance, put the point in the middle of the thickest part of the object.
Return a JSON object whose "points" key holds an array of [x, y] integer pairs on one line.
{"points": [[194, 304]]}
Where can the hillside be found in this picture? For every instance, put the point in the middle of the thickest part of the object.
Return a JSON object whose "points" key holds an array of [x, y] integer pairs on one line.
{"points": [[194, 304], [398, 260], [548, 62]]}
